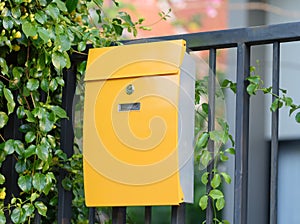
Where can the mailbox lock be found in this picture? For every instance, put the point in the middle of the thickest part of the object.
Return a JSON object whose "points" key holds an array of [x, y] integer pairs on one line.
{"points": [[129, 89]]}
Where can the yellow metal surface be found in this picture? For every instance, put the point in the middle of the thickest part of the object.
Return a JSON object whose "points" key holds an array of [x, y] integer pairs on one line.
{"points": [[131, 157]]}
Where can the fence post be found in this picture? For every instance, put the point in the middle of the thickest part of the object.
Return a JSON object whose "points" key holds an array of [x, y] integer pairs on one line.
{"points": [[118, 215], [241, 136], [178, 214], [67, 142]]}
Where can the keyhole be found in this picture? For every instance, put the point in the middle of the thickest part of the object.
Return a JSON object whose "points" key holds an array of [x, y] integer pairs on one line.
{"points": [[129, 89]]}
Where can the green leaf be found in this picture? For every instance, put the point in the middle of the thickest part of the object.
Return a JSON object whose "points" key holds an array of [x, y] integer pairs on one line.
{"points": [[3, 119], [293, 109], [233, 87], [267, 90], [39, 181], [30, 136], [7, 23], [53, 85], [2, 217], [255, 79], [21, 112], [31, 150], [4, 67], [34, 196], [284, 91], [81, 46], [126, 18], [16, 215], [2, 180], [204, 178], [61, 5], [68, 60], [24, 182], [9, 147], [52, 11], [297, 117], [46, 123], [202, 140], [29, 29], [205, 107], [63, 41], [45, 85], [20, 166], [44, 34], [223, 157], [40, 16], [216, 194], [29, 209], [61, 113], [205, 158], [42, 209], [220, 203], [219, 136], [19, 147], [30, 117], [251, 89], [288, 101], [81, 67], [16, 12], [230, 151], [32, 84], [216, 181], [10, 100], [203, 202], [60, 81], [226, 177], [42, 152], [58, 60], [276, 105], [252, 69], [71, 5]]}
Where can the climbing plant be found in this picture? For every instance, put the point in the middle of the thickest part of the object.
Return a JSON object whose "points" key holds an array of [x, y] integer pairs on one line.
{"points": [[37, 39]]}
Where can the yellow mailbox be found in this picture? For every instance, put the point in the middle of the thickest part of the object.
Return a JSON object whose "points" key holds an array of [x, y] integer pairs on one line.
{"points": [[139, 125]]}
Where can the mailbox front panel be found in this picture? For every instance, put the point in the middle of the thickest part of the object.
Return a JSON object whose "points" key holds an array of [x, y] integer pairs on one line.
{"points": [[136, 141]]}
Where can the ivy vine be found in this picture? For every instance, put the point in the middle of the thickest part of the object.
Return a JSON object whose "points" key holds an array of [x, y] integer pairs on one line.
{"points": [[37, 39]]}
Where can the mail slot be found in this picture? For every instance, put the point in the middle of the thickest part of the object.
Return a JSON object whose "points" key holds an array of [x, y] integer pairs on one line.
{"points": [[139, 125]]}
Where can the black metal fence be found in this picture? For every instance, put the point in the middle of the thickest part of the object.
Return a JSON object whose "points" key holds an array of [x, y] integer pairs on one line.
{"points": [[241, 39]]}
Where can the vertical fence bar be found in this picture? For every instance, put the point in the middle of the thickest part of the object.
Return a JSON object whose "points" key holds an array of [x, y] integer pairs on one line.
{"points": [[11, 131], [178, 214], [118, 215], [211, 127], [91, 215], [148, 214], [67, 142], [274, 141], [241, 136]]}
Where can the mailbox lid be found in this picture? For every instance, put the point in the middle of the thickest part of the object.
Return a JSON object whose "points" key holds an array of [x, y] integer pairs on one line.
{"points": [[127, 61]]}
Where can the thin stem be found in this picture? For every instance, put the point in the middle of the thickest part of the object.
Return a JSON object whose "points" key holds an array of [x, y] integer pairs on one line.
{"points": [[205, 118], [2, 138], [3, 77], [32, 99]]}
